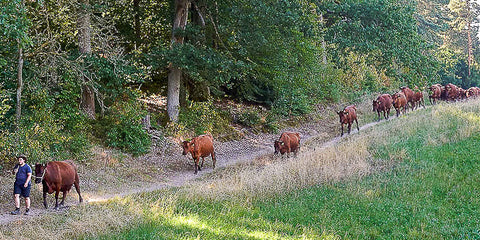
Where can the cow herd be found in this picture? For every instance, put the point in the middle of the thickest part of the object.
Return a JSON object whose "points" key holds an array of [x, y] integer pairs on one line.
{"points": [[407, 98], [60, 176], [401, 101]]}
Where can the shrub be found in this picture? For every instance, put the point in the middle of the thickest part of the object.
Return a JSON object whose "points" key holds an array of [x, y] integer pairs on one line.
{"points": [[249, 118], [122, 128], [203, 117]]}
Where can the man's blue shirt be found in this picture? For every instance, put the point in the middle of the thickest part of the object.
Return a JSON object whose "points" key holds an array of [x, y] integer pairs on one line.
{"points": [[21, 176]]}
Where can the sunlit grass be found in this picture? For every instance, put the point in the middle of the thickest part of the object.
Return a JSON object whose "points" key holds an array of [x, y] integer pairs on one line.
{"points": [[413, 177]]}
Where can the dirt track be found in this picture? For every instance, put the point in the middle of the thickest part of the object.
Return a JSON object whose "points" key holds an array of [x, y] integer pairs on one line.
{"points": [[176, 169]]}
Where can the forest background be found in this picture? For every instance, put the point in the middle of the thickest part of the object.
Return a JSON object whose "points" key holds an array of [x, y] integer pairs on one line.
{"points": [[79, 73]]}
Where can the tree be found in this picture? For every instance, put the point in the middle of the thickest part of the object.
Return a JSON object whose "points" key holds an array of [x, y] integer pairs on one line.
{"points": [[175, 75], [385, 32], [460, 24], [15, 24], [87, 103], [21, 43]]}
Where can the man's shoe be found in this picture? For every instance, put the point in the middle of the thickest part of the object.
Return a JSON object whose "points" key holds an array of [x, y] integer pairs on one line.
{"points": [[27, 212], [16, 212]]}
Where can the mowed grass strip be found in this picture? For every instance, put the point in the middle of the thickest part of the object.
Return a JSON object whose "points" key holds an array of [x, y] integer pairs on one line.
{"points": [[434, 195]]}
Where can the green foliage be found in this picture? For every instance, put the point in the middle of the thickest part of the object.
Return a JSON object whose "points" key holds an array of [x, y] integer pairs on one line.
{"points": [[4, 107], [203, 117], [122, 128], [249, 118], [385, 32]]}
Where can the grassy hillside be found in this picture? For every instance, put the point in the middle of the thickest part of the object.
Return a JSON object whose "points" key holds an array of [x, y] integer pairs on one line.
{"points": [[413, 177]]}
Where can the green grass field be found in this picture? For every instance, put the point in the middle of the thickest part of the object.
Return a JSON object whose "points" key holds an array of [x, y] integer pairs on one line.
{"points": [[435, 195], [429, 190], [412, 177]]}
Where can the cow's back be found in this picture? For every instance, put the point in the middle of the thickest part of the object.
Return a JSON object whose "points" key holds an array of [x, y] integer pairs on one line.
{"points": [[408, 93], [400, 100], [291, 141], [386, 101], [352, 113], [203, 145], [61, 173], [293, 138]]}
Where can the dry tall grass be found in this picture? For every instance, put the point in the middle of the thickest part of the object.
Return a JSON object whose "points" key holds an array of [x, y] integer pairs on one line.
{"points": [[353, 156]]}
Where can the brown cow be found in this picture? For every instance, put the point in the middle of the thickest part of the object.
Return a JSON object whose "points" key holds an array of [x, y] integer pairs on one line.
{"points": [[201, 146], [436, 93], [383, 104], [287, 143], [472, 92], [462, 94], [399, 102], [347, 116], [408, 95], [451, 92], [418, 99], [57, 176]]}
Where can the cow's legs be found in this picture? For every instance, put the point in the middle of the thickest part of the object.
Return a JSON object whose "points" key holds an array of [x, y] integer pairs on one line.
{"points": [[196, 160], [77, 187], [45, 199], [342, 130], [56, 199], [214, 159], [358, 129], [63, 197], [203, 160], [378, 113], [349, 127]]}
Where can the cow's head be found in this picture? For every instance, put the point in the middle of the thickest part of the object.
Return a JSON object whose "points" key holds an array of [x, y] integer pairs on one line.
{"points": [[343, 116], [39, 172], [376, 104], [279, 147], [187, 147]]}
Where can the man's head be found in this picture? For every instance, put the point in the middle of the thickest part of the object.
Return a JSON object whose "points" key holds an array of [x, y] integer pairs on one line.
{"points": [[22, 159]]}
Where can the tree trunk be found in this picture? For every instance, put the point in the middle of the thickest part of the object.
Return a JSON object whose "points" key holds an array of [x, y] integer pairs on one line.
{"points": [[138, 32], [18, 109], [324, 44], [19, 86], [87, 103], [469, 30], [175, 75]]}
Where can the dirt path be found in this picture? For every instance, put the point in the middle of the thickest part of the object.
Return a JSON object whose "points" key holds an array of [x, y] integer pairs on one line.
{"points": [[228, 154]]}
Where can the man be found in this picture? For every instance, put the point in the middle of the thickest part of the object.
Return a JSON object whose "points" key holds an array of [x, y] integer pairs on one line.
{"points": [[22, 184]]}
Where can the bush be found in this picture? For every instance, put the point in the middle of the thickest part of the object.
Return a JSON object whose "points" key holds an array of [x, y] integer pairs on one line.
{"points": [[46, 130], [122, 128], [204, 117], [249, 118]]}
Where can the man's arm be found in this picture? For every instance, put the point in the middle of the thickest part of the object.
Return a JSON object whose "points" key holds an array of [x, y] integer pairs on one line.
{"points": [[29, 176]]}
